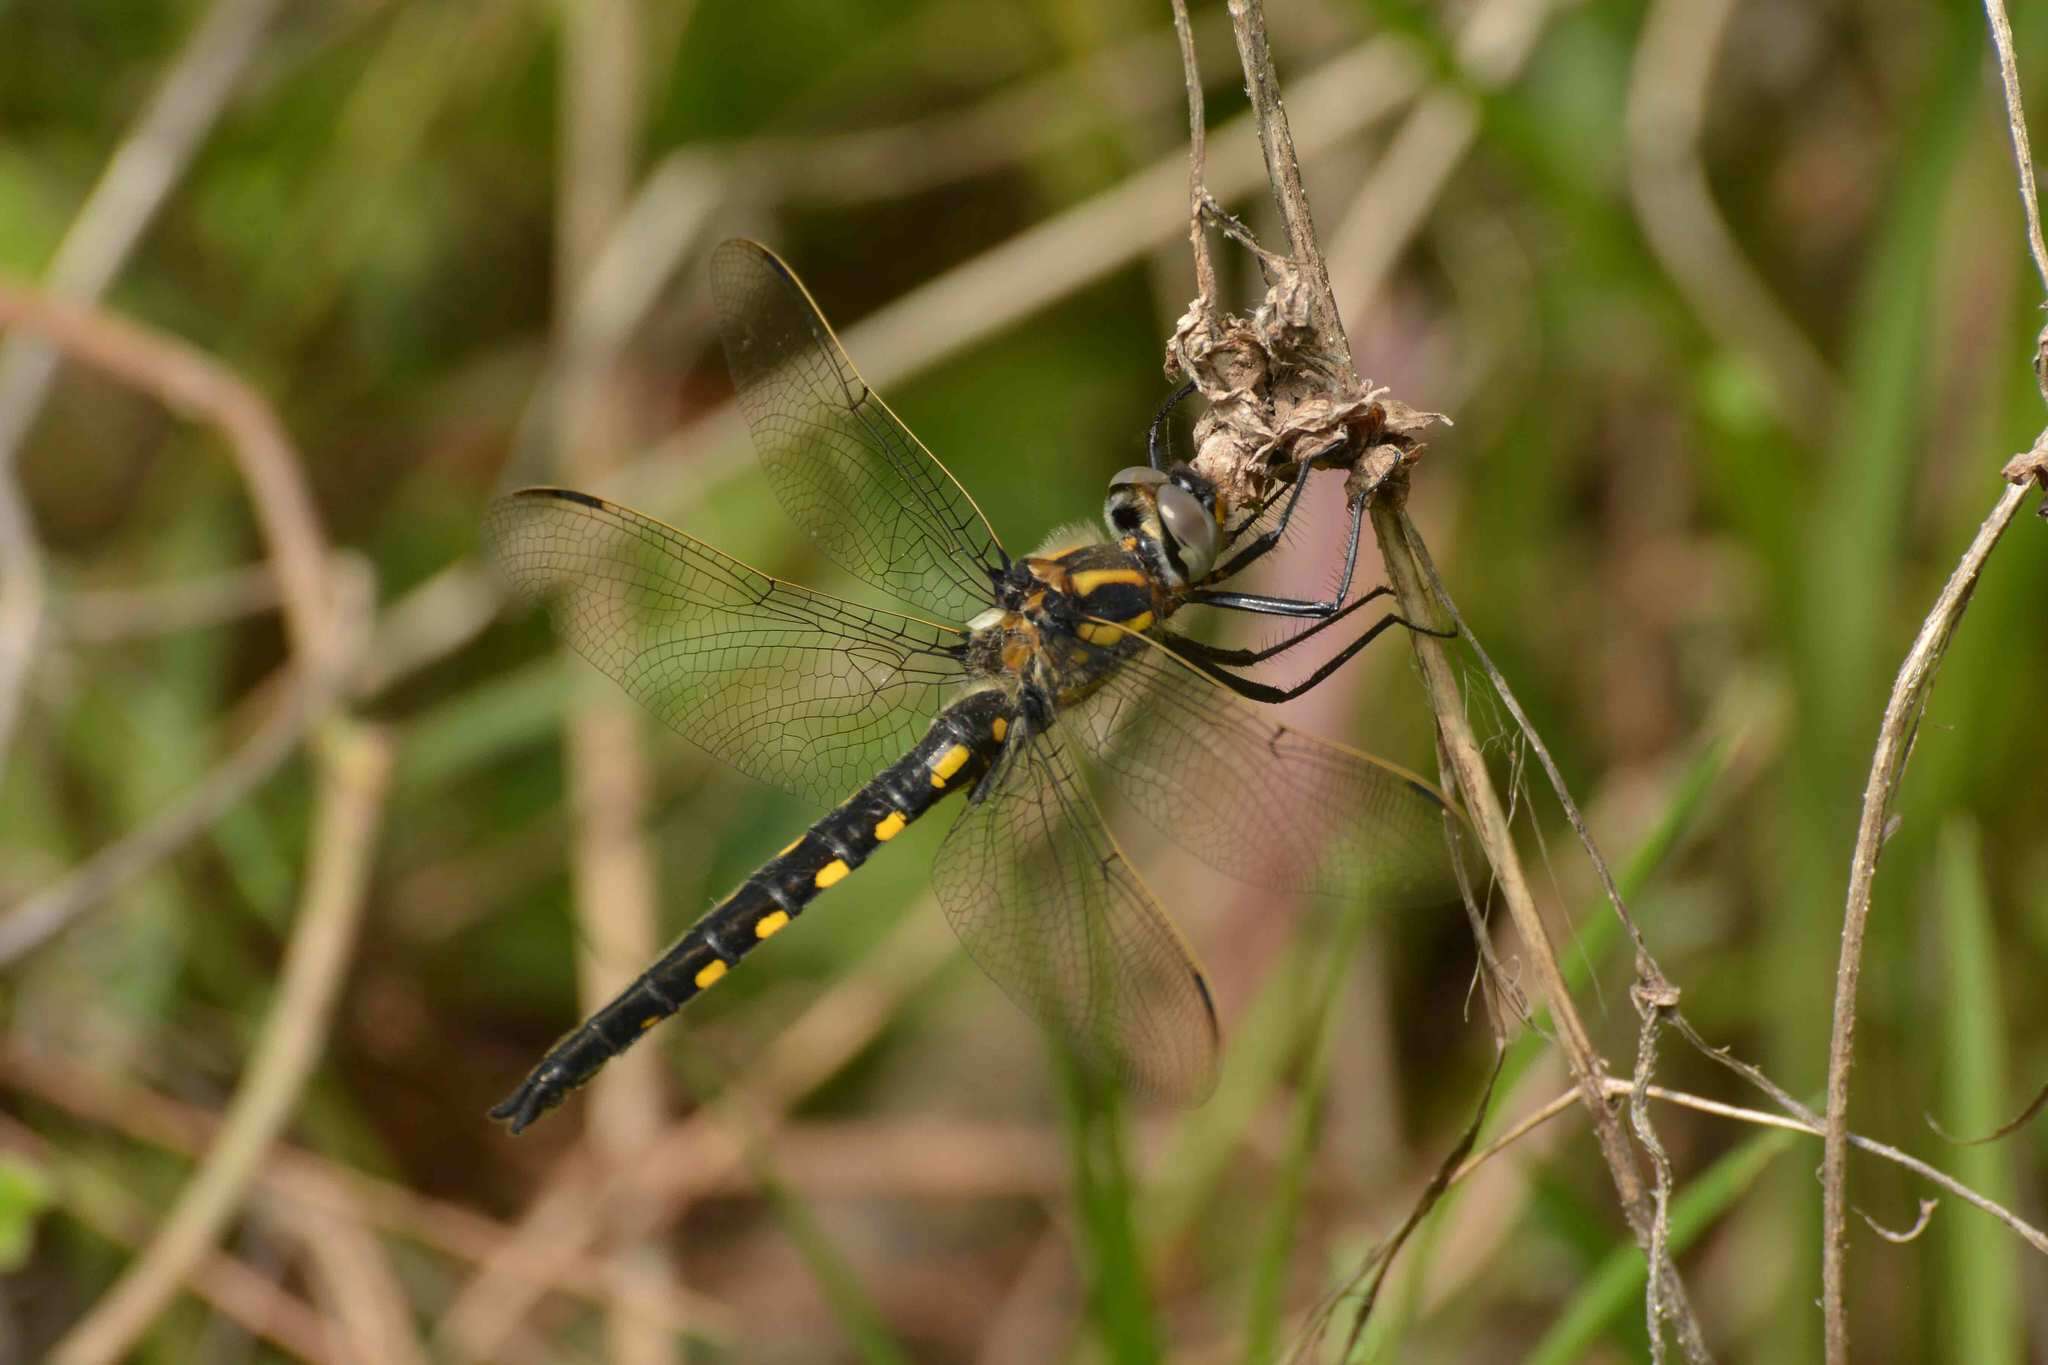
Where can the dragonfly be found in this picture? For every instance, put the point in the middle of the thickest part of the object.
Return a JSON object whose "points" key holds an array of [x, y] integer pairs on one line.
{"points": [[1021, 685]]}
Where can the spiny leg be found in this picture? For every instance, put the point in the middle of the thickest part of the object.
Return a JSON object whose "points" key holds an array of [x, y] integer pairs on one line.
{"points": [[1239, 658], [1267, 692], [1286, 606], [1156, 438]]}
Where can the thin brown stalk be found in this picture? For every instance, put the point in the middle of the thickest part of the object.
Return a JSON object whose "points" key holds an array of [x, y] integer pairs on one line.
{"points": [[608, 769], [104, 615], [1887, 766], [2016, 122], [1283, 175], [231, 1287], [1312, 399], [354, 1280], [355, 768], [188, 381], [100, 239], [1198, 158], [1474, 783], [295, 1175], [1895, 744], [1802, 1120], [569, 1213]]}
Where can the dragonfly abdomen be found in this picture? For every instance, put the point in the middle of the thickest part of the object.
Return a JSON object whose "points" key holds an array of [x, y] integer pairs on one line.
{"points": [[952, 756]]}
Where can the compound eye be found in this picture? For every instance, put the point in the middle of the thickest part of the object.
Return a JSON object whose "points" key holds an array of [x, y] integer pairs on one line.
{"points": [[1136, 474], [1191, 525]]}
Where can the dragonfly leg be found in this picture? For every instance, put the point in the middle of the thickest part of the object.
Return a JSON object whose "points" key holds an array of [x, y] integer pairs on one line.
{"points": [[1240, 658], [1286, 606], [1267, 692], [1267, 539], [1158, 442]]}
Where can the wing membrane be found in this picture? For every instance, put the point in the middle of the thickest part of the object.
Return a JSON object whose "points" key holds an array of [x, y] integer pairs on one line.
{"points": [[794, 687], [845, 469], [1045, 903], [1256, 800]]}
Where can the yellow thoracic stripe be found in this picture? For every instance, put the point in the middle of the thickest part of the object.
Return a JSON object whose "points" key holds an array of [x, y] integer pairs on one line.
{"points": [[999, 727], [1104, 633], [1088, 580]]}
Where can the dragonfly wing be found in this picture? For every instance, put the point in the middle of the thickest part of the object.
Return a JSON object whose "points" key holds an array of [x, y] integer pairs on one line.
{"points": [[1045, 903], [844, 467], [1256, 800], [795, 687]]}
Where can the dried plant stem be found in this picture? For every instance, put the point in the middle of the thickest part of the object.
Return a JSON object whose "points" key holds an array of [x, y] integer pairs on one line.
{"points": [[1895, 745], [294, 1175], [98, 242], [1482, 803], [1198, 157], [567, 1216], [609, 774], [2016, 121], [356, 764], [231, 1287], [190, 382], [1887, 765], [1802, 1120], [1283, 173]]}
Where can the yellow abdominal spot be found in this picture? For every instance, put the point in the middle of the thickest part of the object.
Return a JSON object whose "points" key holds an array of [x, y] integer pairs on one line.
{"points": [[709, 973], [770, 922], [948, 763], [828, 875], [649, 1022], [1088, 580], [890, 826]]}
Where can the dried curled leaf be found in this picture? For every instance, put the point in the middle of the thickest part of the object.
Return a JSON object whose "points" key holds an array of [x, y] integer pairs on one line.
{"points": [[1275, 401]]}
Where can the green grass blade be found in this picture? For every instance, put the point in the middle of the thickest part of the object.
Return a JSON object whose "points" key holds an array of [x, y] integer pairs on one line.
{"points": [[1118, 1299], [856, 1314], [1978, 1307]]}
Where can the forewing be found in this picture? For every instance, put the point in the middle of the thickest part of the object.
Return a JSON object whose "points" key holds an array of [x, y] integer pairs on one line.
{"points": [[846, 470], [1047, 906], [1259, 801], [795, 687]]}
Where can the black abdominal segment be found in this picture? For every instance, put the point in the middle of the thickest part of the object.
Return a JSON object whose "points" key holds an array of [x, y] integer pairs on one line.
{"points": [[952, 756]]}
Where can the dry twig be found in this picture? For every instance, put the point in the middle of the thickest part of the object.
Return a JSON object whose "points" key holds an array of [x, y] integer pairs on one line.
{"points": [[1797, 1119], [188, 381], [356, 765], [1887, 766], [294, 1175], [608, 767], [1895, 745], [102, 235], [1283, 390]]}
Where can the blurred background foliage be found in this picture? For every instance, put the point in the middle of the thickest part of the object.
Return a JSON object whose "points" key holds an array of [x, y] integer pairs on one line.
{"points": [[1695, 521]]}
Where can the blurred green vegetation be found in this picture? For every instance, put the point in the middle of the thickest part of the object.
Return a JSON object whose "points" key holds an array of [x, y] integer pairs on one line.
{"points": [[1699, 594]]}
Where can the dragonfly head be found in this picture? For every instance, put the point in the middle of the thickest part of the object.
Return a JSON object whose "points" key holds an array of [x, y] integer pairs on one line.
{"points": [[1175, 514]]}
